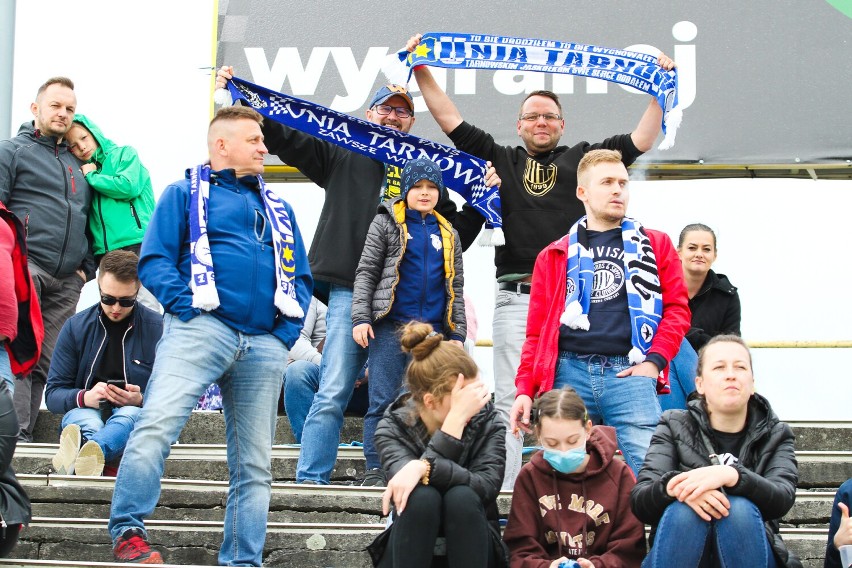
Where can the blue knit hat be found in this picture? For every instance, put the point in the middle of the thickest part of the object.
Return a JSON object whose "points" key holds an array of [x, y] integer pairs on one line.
{"points": [[418, 169]]}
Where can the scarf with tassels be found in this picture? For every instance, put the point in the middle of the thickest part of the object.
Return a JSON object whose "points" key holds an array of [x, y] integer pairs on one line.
{"points": [[644, 295], [203, 279], [629, 68]]}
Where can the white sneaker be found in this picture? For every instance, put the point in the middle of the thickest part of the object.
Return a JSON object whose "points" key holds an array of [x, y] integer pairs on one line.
{"points": [[69, 445], [90, 460]]}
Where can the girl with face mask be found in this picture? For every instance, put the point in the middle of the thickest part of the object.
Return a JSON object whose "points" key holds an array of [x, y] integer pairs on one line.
{"points": [[572, 500]]}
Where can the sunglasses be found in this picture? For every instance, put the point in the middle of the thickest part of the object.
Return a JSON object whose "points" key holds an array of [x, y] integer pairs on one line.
{"points": [[108, 300]]}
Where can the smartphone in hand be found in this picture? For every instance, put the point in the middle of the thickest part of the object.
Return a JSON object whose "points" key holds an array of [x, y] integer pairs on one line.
{"points": [[118, 383]]}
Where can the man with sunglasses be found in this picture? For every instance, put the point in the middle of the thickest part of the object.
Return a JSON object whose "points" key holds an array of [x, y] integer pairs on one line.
{"points": [[100, 368], [539, 205], [354, 186]]}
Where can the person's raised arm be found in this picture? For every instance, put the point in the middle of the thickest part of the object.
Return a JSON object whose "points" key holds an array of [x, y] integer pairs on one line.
{"points": [[649, 126], [442, 108]]}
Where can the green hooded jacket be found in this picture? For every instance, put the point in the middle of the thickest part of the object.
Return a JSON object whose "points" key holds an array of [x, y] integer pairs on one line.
{"points": [[123, 200]]}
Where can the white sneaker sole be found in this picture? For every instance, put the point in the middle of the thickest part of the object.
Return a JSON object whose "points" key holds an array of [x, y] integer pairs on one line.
{"points": [[69, 445]]}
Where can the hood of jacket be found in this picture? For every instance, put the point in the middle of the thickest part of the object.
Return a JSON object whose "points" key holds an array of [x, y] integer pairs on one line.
{"points": [[105, 145], [717, 282]]}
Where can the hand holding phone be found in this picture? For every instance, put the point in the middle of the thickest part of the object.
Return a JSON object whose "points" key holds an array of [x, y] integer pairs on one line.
{"points": [[123, 394]]}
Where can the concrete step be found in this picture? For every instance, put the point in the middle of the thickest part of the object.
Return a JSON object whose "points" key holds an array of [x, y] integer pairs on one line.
{"points": [[203, 427], [206, 461], [187, 500], [309, 544], [209, 428], [817, 469], [197, 542]]}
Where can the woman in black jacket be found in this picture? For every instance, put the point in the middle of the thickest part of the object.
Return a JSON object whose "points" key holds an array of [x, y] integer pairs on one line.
{"points": [[442, 445], [713, 302], [719, 475]]}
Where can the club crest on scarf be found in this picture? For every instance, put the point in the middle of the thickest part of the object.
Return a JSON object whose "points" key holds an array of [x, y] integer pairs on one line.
{"points": [[463, 173], [644, 293]]}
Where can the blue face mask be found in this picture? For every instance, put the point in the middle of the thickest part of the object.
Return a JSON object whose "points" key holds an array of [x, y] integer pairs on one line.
{"points": [[567, 461]]}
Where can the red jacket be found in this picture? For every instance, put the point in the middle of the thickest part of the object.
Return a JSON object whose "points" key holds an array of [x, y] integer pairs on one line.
{"points": [[27, 332], [594, 504], [547, 302]]}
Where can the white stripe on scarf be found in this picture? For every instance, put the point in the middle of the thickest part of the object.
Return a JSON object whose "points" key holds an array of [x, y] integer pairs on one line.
{"points": [[203, 276], [644, 294]]}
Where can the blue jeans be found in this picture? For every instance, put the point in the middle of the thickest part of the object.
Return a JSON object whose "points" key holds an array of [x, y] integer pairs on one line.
{"points": [[6, 369], [629, 404], [387, 368], [249, 370], [682, 372], [301, 383], [342, 360], [740, 538], [112, 436]]}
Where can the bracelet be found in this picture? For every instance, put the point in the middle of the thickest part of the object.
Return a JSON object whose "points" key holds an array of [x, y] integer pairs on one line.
{"points": [[425, 479]]}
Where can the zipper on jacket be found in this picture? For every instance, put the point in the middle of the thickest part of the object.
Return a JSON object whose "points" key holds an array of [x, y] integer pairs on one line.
{"points": [[97, 353], [135, 215], [103, 225], [425, 263], [68, 217], [124, 353], [73, 182]]}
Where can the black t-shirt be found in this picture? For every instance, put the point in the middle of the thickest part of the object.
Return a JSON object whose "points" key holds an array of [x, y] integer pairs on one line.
{"points": [[112, 361], [728, 446], [609, 330], [538, 196]]}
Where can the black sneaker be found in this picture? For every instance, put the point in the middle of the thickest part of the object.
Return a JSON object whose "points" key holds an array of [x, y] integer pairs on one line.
{"points": [[375, 478], [132, 546]]}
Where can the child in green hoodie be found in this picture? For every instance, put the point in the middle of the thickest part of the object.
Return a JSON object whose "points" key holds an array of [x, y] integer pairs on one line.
{"points": [[123, 200]]}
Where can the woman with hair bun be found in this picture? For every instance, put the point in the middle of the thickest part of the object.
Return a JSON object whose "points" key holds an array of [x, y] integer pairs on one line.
{"points": [[442, 445]]}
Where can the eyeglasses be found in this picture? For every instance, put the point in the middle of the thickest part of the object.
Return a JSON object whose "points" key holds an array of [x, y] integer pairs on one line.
{"points": [[534, 116], [108, 300], [401, 112]]}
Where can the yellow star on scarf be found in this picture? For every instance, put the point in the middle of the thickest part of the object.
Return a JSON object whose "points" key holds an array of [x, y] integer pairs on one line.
{"points": [[288, 254], [420, 51]]}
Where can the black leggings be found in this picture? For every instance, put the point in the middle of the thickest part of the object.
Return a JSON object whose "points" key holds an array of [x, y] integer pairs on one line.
{"points": [[458, 514]]}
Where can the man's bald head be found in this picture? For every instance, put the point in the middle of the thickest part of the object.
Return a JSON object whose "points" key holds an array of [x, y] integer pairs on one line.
{"points": [[235, 141]]}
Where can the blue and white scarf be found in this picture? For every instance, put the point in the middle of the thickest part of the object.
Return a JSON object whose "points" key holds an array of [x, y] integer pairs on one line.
{"points": [[644, 294], [463, 173], [479, 51], [203, 279]]}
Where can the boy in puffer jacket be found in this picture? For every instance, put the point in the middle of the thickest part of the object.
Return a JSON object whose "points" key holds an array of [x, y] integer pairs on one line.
{"points": [[411, 269]]}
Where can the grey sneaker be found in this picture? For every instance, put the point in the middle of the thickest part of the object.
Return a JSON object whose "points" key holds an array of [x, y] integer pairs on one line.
{"points": [[374, 478], [69, 445], [90, 460]]}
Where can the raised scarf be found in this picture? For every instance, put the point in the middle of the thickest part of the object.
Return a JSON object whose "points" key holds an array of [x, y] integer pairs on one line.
{"points": [[463, 173], [480, 51]]}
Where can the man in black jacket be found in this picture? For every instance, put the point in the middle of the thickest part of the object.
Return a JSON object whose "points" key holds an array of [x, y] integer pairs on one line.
{"points": [[354, 186], [100, 368], [41, 183]]}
